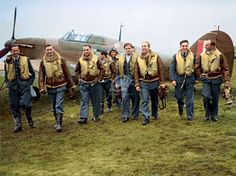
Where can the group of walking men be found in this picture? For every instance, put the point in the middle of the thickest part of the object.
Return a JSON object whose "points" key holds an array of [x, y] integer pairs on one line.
{"points": [[130, 76]]}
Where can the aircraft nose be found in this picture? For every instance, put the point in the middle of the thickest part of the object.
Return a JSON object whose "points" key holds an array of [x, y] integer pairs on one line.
{"points": [[9, 43]]}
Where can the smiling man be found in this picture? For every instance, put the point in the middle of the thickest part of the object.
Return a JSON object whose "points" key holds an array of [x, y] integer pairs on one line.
{"points": [[19, 77], [125, 72], [89, 71], [213, 70], [182, 78], [149, 76], [54, 78]]}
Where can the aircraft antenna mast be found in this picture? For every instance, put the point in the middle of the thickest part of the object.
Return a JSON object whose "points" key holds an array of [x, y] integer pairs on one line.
{"points": [[121, 25], [218, 27]]}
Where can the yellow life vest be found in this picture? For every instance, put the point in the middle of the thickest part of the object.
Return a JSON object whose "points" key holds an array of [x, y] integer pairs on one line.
{"points": [[53, 67], [89, 66], [107, 66], [211, 61], [24, 69], [185, 67], [150, 69], [121, 62]]}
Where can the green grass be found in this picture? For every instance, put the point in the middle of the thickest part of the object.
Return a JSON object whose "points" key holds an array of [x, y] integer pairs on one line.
{"points": [[169, 146]]}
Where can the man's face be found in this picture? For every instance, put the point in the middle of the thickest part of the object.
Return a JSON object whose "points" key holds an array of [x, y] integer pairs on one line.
{"points": [[15, 51], [86, 51], [113, 53], [128, 50], [184, 47], [208, 46], [102, 56], [145, 48], [49, 51]]}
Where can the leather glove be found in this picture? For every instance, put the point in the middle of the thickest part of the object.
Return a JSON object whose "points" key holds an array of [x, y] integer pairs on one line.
{"points": [[71, 92], [227, 84], [9, 60]]}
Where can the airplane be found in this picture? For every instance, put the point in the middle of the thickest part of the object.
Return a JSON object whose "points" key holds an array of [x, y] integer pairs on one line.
{"points": [[70, 46]]}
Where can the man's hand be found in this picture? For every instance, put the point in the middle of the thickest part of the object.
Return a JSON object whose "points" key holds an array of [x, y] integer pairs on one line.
{"points": [[164, 85], [42, 91], [101, 81], [117, 86], [173, 83], [138, 88]]}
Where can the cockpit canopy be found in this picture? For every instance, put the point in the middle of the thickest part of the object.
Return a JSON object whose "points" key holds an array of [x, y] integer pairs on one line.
{"points": [[85, 38]]}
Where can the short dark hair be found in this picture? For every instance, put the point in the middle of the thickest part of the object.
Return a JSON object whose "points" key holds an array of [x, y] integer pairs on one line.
{"points": [[213, 42], [128, 44], [15, 45], [47, 45], [149, 45], [183, 41], [102, 51], [86, 45]]}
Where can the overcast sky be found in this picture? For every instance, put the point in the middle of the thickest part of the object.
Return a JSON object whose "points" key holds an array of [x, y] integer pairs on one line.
{"points": [[162, 22]]}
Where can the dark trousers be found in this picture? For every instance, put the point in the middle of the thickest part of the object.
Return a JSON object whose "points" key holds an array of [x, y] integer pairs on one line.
{"points": [[154, 102], [105, 89], [20, 100], [210, 93]]}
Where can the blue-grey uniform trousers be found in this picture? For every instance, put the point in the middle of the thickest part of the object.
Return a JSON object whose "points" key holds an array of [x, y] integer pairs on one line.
{"points": [[87, 91], [128, 92], [149, 90], [210, 93], [57, 98], [105, 88], [185, 90], [20, 100]]}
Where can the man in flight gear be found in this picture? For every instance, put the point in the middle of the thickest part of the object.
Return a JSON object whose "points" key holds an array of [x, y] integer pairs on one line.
{"points": [[182, 78], [117, 99], [126, 64], [54, 78], [89, 71], [19, 75], [213, 70], [149, 75], [108, 80]]}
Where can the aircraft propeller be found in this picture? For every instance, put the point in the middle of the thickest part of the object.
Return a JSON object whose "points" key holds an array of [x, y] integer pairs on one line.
{"points": [[10, 42]]}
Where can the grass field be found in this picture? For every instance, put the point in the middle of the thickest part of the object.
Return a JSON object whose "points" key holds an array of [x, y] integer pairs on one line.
{"points": [[169, 146]]}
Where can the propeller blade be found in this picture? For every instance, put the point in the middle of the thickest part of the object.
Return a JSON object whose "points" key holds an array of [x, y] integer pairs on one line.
{"points": [[4, 51], [14, 24]]}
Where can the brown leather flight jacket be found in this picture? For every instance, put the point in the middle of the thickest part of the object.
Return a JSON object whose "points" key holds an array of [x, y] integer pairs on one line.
{"points": [[148, 78], [88, 78], [224, 71], [55, 81]]}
